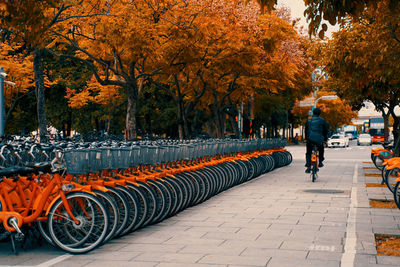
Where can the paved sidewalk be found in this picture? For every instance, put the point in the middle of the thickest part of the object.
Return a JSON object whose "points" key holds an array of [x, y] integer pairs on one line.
{"points": [[269, 221]]}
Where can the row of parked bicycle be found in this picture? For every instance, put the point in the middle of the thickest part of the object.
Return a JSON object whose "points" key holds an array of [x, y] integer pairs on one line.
{"points": [[82, 195], [389, 165]]}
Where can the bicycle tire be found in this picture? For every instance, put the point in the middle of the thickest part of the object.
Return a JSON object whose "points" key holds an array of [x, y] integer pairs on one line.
{"points": [[123, 207], [390, 177], [187, 192], [160, 201], [142, 207], [195, 187], [314, 172], [152, 202], [112, 210], [396, 195], [133, 208], [161, 196], [174, 196], [190, 189], [97, 230], [179, 194], [198, 187]]}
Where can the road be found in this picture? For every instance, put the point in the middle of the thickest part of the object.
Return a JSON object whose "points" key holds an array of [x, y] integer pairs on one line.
{"points": [[269, 221]]}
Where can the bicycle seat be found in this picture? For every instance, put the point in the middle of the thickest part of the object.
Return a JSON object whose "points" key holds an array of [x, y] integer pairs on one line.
{"points": [[40, 167], [14, 171]]}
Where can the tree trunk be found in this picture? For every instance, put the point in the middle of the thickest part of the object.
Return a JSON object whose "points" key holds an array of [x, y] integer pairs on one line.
{"points": [[39, 84], [385, 126], [396, 134], [130, 122], [219, 123], [181, 130], [234, 125]]}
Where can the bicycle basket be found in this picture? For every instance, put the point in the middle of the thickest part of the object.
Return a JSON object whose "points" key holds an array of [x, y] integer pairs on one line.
{"points": [[77, 161]]}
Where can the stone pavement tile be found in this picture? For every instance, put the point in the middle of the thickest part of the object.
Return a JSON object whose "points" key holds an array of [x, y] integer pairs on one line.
{"points": [[273, 243], [315, 215], [142, 239], [107, 255], [324, 255], [231, 236], [282, 253], [386, 230], [44, 253], [201, 224], [373, 265], [223, 249], [237, 260], [335, 219], [214, 229], [256, 230], [167, 264], [152, 247], [112, 246], [388, 260], [282, 262], [98, 263], [383, 212], [233, 223], [167, 234], [193, 241], [253, 226], [309, 221], [364, 227], [330, 229], [274, 234], [326, 246], [298, 212], [72, 263], [280, 227], [296, 245], [169, 257], [365, 259]]}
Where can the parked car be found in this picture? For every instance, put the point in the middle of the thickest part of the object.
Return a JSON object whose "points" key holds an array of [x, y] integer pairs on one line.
{"points": [[338, 140], [364, 139], [350, 136]]}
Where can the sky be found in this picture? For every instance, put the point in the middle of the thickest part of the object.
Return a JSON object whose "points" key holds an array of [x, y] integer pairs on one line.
{"points": [[297, 9]]}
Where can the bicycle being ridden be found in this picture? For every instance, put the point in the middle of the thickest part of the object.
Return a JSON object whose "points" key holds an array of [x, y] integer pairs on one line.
{"points": [[316, 131]]}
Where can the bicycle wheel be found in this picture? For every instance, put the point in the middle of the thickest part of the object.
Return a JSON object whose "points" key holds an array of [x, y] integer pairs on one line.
{"points": [[162, 198], [174, 195], [179, 194], [378, 161], [390, 177], [195, 187], [190, 189], [314, 171], [396, 194], [112, 210], [83, 236], [132, 206], [151, 202], [142, 207], [123, 207]]}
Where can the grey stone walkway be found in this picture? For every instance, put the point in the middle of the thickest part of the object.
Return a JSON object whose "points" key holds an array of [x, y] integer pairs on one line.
{"points": [[269, 221]]}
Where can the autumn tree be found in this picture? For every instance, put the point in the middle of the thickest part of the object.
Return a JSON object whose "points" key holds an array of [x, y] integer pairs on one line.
{"points": [[363, 63], [333, 11], [19, 69], [34, 23]]}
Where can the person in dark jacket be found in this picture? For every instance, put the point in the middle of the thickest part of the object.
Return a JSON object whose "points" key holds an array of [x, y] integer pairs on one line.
{"points": [[316, 133]]}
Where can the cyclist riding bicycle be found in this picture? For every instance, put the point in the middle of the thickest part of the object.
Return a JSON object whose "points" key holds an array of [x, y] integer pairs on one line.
{"points": [[316, 134]]}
